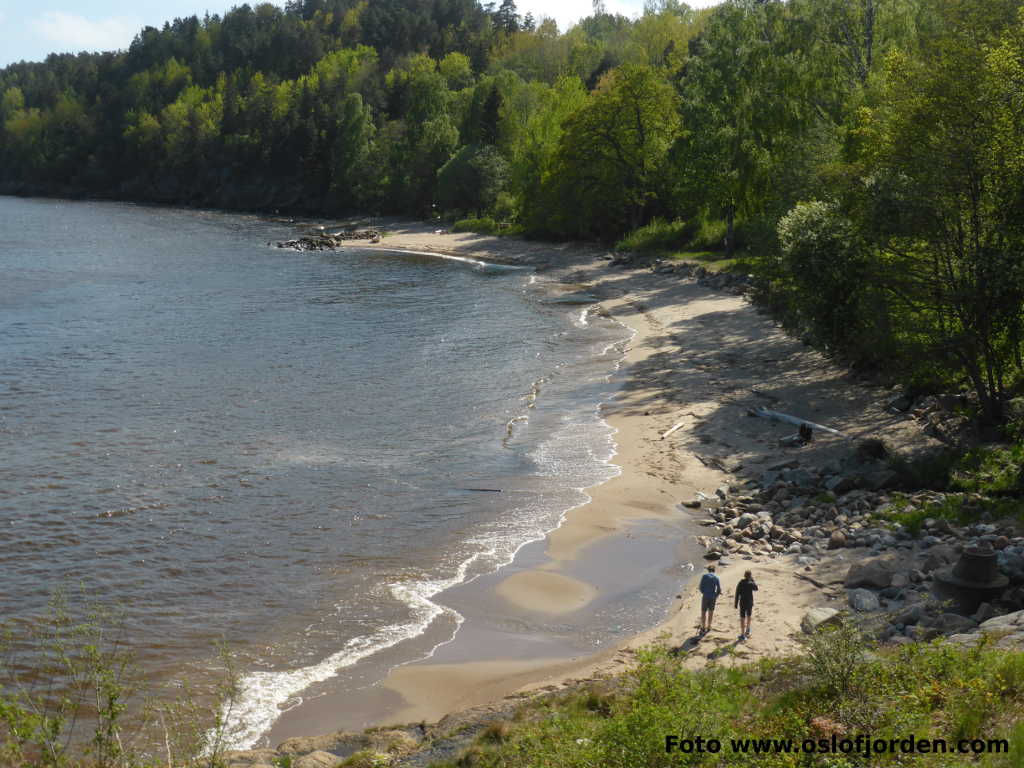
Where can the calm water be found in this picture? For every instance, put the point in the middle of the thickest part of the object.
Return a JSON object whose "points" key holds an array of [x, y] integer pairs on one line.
{"points": [[273, 447]]}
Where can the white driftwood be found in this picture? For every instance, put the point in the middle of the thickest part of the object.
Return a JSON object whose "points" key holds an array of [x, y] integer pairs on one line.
{"points": [[785, 417], [677, 426]]}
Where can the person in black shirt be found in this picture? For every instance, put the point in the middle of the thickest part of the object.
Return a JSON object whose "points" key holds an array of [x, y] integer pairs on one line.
{"points": [[745, 602]]}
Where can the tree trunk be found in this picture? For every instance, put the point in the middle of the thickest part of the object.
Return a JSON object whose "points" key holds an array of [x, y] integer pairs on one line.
{"points": [[730, 234]]}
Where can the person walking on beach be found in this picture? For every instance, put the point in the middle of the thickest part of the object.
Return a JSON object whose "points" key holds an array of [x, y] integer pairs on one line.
{"points": [[745, 602], [710, 588]]}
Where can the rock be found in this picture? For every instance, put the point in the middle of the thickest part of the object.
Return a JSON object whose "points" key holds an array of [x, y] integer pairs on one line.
{"points": [[249, 757], [818, 617], [745, 519], [841, 484], [938, 557], [722, 492], [837, 540], [951, 623], [864, 600], [910, 615], [984, 613], [882, 479], [318, 759], [874, 572], [899, 580], [694, 504], [1011, 621]]}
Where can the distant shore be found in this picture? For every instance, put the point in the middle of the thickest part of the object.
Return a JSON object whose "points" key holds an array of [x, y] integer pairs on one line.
{"points": [[697, 360]]}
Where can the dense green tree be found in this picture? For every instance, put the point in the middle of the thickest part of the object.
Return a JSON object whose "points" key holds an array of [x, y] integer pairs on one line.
{"points": [[611, 160], [943, 156]]}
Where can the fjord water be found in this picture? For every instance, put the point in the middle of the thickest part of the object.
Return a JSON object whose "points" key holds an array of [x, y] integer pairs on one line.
{"points": [[236, 441]]}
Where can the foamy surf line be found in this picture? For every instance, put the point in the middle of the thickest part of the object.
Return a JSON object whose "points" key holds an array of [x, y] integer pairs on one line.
{"points": [[478, 263], [264, 693]]}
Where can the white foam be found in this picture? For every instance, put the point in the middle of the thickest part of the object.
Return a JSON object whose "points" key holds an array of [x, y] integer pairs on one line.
{"points": [[484, 266], [266, 694]]}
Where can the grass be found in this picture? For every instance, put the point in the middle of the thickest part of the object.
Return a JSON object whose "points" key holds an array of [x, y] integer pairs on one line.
{"points": [[696, 242], [933, 691], [487, 226]]}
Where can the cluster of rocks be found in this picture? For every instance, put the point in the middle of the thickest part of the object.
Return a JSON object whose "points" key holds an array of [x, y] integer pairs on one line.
{"points": [[731, 282], [815, 516], [369, 748], [325, 241], [940, 416]]}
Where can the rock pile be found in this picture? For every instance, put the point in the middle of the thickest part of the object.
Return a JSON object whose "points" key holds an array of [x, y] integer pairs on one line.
{"points": [[815, 516], [329, 241]]}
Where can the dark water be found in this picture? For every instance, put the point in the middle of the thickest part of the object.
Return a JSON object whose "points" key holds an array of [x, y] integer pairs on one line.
{"points": [[273, 447]]}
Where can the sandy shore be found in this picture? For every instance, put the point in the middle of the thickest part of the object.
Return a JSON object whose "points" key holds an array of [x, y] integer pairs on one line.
{"points": [[699, 359]]}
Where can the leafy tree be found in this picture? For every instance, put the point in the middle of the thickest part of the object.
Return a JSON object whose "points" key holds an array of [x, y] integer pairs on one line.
{"points": [[943, 154], [611, 160]]}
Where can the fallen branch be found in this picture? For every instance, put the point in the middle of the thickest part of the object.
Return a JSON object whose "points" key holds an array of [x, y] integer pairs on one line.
{"points": [[764, 413]]}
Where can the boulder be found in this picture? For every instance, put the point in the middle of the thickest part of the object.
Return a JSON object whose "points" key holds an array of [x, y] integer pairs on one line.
{"points": [[249, 757], [874, 572], [1010, 622], [951, 624], [837, 540], [819, 617], [318, 759], [938, 556], [864, 600], [910, 615]]}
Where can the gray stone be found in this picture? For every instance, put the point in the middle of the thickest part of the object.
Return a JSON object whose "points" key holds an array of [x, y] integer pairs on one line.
{"points": [[840, 484], [837, 540], [984, 613], [938, 557], [1011, 621], [910, 615], [874, 572], [817, 617], [951, 623], [864, 600], [899, 580], [745, 519], [317, 759]]}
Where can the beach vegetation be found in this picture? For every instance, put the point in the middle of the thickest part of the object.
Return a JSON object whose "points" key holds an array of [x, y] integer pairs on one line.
{"points": [[72, 695], [838, 686]]}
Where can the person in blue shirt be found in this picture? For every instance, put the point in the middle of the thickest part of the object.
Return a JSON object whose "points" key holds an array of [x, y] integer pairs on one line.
{"points": [[710, 588]]}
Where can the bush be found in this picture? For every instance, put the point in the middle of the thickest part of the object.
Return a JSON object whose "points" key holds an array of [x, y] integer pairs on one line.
{"points": [[483, 226], [659, 235], [835, 655], [825, 261]]}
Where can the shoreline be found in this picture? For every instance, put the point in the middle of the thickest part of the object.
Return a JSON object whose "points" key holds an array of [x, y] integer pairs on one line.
{"points": [[675, 324]]}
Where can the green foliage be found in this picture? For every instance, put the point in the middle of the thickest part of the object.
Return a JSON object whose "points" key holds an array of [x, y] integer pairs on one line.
{"points": [[931, 691], [658, 235], [992, 470], [611, 159], [836, 657], [821, 252], [484, 226]]}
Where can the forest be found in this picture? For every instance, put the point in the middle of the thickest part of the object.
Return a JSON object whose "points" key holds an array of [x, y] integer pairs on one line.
{"points": [[862, 159]]}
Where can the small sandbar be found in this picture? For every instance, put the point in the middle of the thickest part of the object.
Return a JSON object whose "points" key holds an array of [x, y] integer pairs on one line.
{"points": [[546, 592]]}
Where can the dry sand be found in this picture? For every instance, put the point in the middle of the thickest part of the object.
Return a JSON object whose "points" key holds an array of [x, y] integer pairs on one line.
{"points": [[700, 358]]}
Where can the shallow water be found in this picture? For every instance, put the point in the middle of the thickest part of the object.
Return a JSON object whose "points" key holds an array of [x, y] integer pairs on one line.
{"points": [[273, 447]]}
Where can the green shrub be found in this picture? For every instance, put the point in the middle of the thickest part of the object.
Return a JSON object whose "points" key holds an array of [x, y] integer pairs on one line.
{"points": [[658, 235], [483, 226], [991, 469]]}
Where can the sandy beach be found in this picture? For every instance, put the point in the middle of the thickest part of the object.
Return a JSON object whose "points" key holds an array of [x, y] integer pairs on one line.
{"points": [[698, 361]]}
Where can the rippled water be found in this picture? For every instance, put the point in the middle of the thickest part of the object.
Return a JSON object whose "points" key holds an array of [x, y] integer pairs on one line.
{"points": [[275, 447]]}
